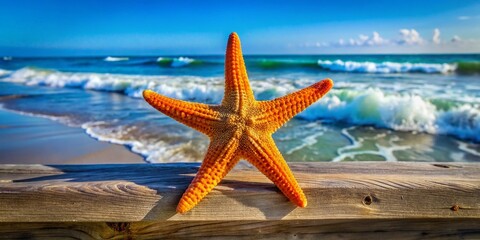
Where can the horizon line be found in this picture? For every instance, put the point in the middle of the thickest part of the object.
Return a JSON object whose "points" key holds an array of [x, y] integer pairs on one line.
{"points": [[222, 54]]}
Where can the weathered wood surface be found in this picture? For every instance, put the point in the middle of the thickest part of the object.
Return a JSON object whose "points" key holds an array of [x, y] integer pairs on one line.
{"points": [[405, 200], [269, 229]]}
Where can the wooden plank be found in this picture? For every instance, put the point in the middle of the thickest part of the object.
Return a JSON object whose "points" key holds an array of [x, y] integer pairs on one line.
{"points": [[150, 192], [268, 229]]}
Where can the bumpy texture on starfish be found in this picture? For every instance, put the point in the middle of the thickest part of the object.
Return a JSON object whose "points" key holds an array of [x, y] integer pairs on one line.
{"points": [[239, 128]]}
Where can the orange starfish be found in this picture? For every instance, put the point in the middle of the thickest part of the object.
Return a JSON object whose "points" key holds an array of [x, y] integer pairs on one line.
{"points": [[240, 127]]}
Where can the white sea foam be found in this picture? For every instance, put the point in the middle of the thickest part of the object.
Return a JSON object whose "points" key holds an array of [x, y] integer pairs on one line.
{"points": [[154, 150], [182, 87], [115, 59], [465, 147], [353, 104], [308, 140], [383, 151], [386, 67], [3, 72], [374, 107], [401, 112], [176, 62], [181, 61], [463, 122]]}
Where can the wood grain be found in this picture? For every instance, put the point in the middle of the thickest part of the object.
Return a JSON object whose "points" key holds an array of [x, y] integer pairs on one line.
{"points": [[286, 229], [407, 200]]}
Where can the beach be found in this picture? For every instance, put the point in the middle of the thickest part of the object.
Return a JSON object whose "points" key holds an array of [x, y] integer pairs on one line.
{"points": [[33, 140], [381, 108]]}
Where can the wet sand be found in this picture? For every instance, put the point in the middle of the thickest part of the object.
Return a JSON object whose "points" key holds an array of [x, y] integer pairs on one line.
{"points": [[29, 139]]}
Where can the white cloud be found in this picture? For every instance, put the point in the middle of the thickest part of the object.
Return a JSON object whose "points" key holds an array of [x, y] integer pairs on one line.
{"points": [[456, 39], [407, 39], [311, 44], [376, 39], [410, 37], [436, 36], [364, 40]]}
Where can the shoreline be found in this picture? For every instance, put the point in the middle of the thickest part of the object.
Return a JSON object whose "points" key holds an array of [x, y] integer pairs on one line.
{"points": [[26, 139]]}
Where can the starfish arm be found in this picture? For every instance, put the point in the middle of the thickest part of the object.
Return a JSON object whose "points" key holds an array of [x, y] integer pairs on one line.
{"points": [[219, 160], [195, 115], [265, 156], [278, 111], [237, 87]]}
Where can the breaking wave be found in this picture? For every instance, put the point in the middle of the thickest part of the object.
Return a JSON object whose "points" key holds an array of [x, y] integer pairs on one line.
{"points": [[115, 59], [400, 112], [386, 67], [177, 62]]}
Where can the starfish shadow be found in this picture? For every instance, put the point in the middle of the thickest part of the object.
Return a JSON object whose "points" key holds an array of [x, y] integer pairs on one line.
{"points": [[273, 204]]}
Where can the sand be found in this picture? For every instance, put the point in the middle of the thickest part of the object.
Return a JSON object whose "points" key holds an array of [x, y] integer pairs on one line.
{"points": [[28, 139]]}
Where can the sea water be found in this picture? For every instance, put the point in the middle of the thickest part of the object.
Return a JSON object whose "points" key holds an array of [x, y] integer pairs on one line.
{"points": [[382, 107]]}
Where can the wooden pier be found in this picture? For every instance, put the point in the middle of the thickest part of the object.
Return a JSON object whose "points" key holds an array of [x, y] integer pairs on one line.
{"points": [[356, 200]]}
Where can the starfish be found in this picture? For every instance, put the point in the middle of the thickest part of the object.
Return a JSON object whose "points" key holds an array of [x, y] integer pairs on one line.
{"points": [[239, 128]]}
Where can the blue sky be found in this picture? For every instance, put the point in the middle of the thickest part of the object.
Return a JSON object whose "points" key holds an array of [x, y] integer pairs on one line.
{"points": [[72, 28]]}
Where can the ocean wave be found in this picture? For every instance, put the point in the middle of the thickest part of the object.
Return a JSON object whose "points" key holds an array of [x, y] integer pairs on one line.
{"points": [[4, 72], [386, 67], [399, 112], [115, 59], [367, 67], [176, 62], [200, 89], [370, 106], [152, 148], [468, 67]]}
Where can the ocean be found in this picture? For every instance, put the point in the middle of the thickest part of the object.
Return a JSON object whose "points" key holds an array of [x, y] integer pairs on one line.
{"points": [[382, 107]]}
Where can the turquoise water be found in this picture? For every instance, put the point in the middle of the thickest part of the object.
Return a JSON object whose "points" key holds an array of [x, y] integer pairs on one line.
{"points": [[213, 65], [382, 107]]}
